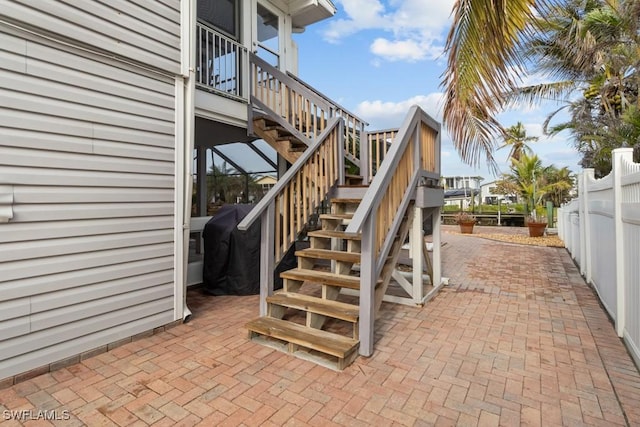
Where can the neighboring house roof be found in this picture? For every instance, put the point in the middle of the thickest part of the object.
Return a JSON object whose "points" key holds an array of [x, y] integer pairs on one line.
{"points": [[266, 179], [461, 192]]}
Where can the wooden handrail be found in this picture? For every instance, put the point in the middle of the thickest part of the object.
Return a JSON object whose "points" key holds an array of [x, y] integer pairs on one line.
{"points": [[424, 154], [306, 109], [413, 155], [312, 188]]}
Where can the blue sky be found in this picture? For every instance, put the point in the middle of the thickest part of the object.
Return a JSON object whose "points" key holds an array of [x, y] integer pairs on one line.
{"points": [[378, 57]]}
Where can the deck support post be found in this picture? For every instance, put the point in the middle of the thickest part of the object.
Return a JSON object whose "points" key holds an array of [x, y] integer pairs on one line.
{"points": [[368, 279], [267, 245], [416, 243], [437, 245]]}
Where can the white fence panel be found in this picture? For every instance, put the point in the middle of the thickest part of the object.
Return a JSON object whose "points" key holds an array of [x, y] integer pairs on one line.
{"points": [[630, 216], [601, 231], [574, 225], [632, 294], [601, 267]]}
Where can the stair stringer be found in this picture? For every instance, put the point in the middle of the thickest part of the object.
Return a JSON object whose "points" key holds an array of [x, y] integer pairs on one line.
{"points": [[392, 257], [281, 148]]}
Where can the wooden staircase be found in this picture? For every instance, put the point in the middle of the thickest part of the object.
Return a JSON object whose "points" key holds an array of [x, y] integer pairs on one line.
{"points": [[311, 317], [327, 307], [282, 140]]}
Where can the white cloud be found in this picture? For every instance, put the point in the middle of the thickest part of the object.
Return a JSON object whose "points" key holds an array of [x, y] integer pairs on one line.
{"points": [[416, 28], [384, 115], [408, 50]]}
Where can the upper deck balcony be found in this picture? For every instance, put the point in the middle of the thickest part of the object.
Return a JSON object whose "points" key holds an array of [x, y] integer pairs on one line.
{"points": [[227, 31], [221, 64]]}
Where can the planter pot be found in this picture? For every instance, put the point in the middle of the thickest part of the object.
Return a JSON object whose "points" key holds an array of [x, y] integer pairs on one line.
{"points": [[466, 227], [536, 229]]}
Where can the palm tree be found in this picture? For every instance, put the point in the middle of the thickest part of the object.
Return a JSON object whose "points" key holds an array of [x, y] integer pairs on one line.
{"points": [[484, 56], [516, 137], [526, 180], [557, 184], [588, 45]]}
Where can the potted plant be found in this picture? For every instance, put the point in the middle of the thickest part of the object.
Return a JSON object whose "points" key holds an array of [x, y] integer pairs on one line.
{"points": [[466, 221], [537, 223]]}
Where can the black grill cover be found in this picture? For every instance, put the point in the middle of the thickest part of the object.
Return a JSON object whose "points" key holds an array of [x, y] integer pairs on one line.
{"points": [[231, 256]]}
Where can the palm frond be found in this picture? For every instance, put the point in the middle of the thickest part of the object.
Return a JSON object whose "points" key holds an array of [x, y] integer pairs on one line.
{"points": [[483, 59]]}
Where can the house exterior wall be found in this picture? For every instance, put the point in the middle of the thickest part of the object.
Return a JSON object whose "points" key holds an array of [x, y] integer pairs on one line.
{"points": [[88, 131]]}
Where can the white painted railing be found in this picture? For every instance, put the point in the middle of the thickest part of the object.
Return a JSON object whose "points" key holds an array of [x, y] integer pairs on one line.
{"points": [[601, 230], [221, 63]]}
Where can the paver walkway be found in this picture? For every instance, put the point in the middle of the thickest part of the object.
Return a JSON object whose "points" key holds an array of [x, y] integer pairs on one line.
{"points": [[517, 338]]}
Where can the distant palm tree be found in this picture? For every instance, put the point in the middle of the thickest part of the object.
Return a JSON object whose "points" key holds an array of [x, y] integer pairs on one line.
{"points": [[525, 179], [557, 184], [516, 137]]}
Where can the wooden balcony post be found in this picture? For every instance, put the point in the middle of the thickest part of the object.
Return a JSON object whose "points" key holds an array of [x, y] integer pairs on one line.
{"points": [[267, 244], [340, 159], [364, 155]]}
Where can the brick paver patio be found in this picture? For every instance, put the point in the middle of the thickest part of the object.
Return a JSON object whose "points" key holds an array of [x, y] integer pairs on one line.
{"points": [[516, 338]]}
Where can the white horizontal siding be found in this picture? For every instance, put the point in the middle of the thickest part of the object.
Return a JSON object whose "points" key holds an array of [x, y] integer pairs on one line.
{"points": [[20, 270], [12, 99], [85, 294], [19, 232], [81, 343], [12, 156], [57, 177], [84, 278], [88, 148], [74, 245], [150, 34], [68, 331], [33, 194]]}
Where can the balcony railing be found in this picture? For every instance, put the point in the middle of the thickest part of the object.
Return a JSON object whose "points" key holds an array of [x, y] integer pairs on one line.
{"points": [[221, 63]]}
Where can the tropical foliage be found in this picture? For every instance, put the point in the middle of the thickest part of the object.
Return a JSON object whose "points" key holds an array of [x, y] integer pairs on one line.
{"points": [[590, 49], [484, 56], [534, 183]]}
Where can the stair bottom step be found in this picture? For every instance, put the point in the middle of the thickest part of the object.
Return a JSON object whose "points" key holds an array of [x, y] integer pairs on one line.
{"points": [[326, 360], [321, 347]]}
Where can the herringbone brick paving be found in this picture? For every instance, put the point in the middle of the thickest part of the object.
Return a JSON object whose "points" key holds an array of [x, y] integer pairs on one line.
{"points": [[517, 338]]}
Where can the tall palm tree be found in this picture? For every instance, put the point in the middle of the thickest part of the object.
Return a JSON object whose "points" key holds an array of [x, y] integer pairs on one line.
{"points": [[516, 137]]}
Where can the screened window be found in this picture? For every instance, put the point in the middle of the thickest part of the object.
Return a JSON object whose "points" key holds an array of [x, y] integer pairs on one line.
{"points": [[221, 14]]}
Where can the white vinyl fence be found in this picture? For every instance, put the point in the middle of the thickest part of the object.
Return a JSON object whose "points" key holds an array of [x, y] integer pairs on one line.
{"points": [[601, 230]]}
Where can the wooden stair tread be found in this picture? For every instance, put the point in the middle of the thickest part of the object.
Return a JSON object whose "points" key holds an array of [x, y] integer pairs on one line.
{"points": [[278, 128], [346, 200], [336, 216], [311, 304], [315, 339], [329, 254], [323, 277], [335, 233]]}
